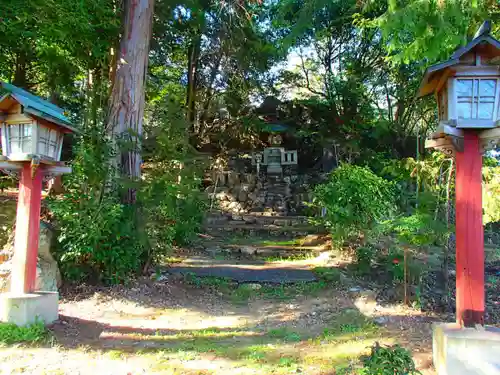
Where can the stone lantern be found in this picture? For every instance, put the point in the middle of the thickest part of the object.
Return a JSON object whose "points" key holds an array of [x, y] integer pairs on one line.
{"points": [[467, 91], [32, 131]]}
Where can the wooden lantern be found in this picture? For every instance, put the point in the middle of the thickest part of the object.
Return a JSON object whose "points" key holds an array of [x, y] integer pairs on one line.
{"points": [[32, 131], [31, 127], [467, 91]]}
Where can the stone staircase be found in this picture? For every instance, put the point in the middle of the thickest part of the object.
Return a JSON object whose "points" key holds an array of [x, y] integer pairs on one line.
{"points": [[246, 193], [219, 223]]}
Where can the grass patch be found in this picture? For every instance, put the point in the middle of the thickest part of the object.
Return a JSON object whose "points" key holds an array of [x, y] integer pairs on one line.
{"points": [[348, 325], [290, 258], [242, 239], [286, 292], [207, 281], [35, 333], [253, 353], [285, 334], [330, 274], [293, 242], [281, 292], [116, 354], [288, 362]]}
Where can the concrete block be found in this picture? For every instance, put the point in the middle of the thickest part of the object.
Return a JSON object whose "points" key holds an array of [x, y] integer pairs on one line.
{"points": [[466, 351], [24, 309]]}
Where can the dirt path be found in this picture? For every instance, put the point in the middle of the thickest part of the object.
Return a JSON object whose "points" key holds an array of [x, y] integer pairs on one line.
{"points": [[173, 327], [179, 323]]}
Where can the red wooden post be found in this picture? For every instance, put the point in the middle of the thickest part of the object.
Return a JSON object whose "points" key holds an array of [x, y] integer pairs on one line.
{"points": [[469, 233], [27, 230]]}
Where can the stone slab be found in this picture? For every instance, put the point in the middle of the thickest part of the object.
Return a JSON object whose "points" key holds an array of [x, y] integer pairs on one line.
{"points": [[24, 309], [466, 351], [249, 275]]}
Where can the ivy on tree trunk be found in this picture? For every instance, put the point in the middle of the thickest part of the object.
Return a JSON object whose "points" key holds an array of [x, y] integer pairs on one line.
{"points": [[126, 109]]}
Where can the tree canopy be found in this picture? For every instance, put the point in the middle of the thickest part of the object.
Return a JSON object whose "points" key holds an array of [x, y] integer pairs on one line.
{"points": [[195, 77]]}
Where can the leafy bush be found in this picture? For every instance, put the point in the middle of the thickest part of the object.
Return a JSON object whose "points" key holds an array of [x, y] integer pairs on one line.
{"points": [[13, 334], [102, 239], [97, 234], [355, 199], [171, 195], [393, 360], [363, 259]]}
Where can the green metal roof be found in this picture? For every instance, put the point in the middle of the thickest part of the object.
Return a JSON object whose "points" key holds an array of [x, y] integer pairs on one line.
{"points": [[38, 107]]}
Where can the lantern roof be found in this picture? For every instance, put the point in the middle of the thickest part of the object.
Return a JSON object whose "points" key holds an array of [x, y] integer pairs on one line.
{"points": [[433, 73], [36, 106]]}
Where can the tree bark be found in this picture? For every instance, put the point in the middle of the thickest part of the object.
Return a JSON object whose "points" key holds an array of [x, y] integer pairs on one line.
{"points": [[126, 109], [193, 61], [20, 74]]}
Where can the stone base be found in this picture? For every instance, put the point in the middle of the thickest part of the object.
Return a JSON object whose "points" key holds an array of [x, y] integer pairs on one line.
{"points": [[466, 351], [24, 309]]}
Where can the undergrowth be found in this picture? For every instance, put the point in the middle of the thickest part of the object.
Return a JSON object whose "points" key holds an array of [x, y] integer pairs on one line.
{"points": [[35, 333]]}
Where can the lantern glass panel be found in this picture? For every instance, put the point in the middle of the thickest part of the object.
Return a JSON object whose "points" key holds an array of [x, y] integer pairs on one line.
{"points": [[476, 98], [47, 141], [20, 138]]}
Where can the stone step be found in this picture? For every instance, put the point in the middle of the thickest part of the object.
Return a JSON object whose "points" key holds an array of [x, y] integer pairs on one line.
{"points": [[278, 251], [261, 218], [274, 230]]}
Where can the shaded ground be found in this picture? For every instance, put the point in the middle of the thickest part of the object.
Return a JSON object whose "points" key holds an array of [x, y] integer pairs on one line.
{"points": [[175, 322], [176, 328], [168, 324], [243, 271]]}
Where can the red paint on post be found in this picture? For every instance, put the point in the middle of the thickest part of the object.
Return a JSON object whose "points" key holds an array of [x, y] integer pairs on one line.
{"points": [[469, 233], [23, 276]]}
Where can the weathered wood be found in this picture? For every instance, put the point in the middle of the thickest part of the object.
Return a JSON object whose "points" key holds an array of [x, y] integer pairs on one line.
{"points": [[27, 231], [469, 233], [125, 120]]}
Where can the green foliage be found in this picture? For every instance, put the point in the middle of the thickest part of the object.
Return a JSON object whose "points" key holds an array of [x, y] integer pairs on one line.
{"points": [[207, 281], [35, 333], [389, 361], [491, 194], [97, 234], [364, 255], [355, 200], [420, 229], [329, 274], [394, 264], [6, 182], [430, 30], [285, 334], [170, 193]]}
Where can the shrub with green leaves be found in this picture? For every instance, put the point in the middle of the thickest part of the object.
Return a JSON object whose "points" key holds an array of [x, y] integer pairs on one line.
{"points": [[364, 256], [101, 239], [97, 234], [355, 199], [393, 360], [170, 194]]}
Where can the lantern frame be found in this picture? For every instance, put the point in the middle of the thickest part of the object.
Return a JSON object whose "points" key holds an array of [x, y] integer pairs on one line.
{"points": [[31, 128], [43, 141]]}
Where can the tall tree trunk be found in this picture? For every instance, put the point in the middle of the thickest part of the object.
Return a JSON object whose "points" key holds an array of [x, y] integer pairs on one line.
{"points": [[193, 57], [126, 109], [21, 72]]}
